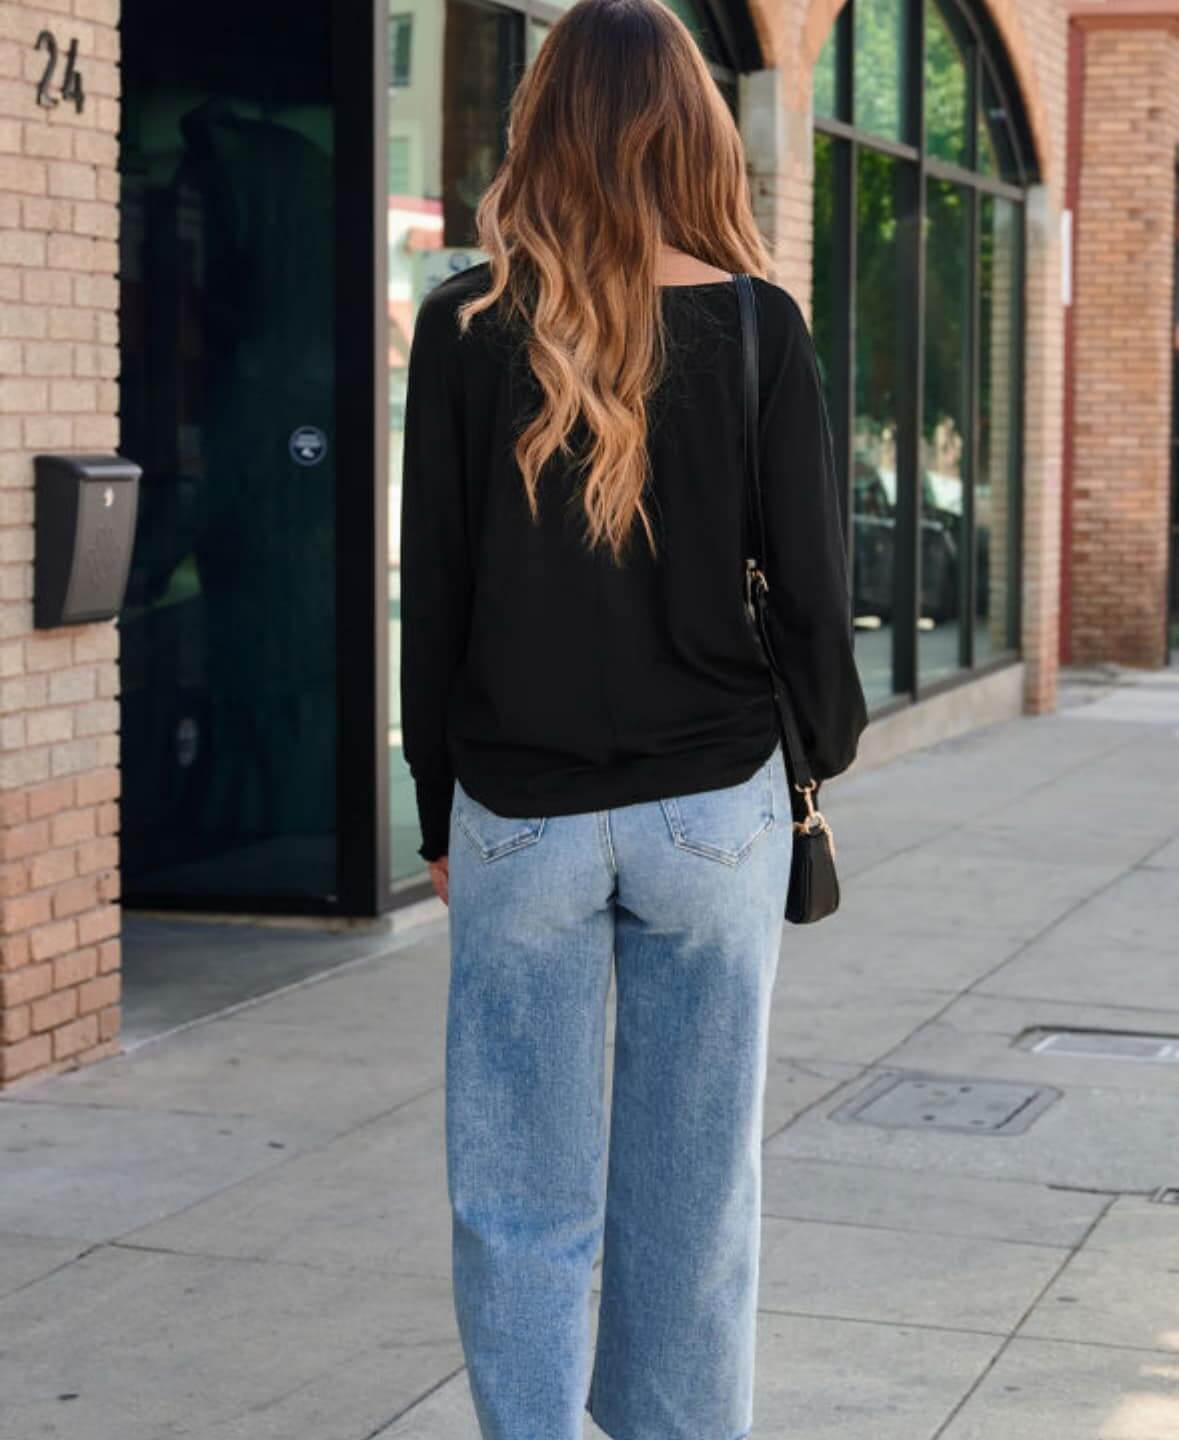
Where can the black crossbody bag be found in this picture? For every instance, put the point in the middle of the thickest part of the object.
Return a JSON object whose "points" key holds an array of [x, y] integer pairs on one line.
{"points": [[813, 891]]}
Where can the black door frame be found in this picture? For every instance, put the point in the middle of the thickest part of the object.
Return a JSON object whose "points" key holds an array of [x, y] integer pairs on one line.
{"points": [[360, 83], [359, 89]]}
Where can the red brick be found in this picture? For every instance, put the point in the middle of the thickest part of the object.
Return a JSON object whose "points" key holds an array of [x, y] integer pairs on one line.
{"points": [[73, 826], [14, 879], [20, 841], [14, 952], [97, 786], [15, 1024], [54, 1010], [52, 797], [97, 854], [50, 940], [75, 968], [98, 925], [52, 867], [79, 1035], [78, 895], [14, 807], [32, 1054], [19, 987], [24, 912], [100, 993]]}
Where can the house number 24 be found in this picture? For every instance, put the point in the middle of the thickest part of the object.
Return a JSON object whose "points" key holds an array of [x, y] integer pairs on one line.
{"points": [[71, 81]]}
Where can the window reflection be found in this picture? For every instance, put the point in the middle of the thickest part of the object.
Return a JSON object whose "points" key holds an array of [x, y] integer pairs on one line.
{"points": [[947, 94], [228, 683], [944, 450], [880, 68], [825, 295], [824, 79], [879, 319], [449, 89], [996, 145], [869, 318]]}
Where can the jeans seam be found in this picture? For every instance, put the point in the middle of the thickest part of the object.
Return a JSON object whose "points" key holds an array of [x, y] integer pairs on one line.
{"points": [[607, 842]]}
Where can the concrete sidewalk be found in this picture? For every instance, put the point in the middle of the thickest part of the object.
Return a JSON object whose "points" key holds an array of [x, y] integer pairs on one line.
{"points": [[240, 1231]]}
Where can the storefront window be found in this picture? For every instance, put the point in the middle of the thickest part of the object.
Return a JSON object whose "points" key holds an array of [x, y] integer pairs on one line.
{"points": [[917, 273], [825, 85], [880, 67], [997, 151], [945, 427], [878, 363], [947, 86]]}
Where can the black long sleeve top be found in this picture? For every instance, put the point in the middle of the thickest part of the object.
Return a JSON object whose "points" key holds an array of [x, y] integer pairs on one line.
{"points": [[548, 680]]}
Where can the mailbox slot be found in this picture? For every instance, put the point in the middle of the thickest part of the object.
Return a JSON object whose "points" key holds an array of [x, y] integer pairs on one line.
{"points": [[86, 506]]}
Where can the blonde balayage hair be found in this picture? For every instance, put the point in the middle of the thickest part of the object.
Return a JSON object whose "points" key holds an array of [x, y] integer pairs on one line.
{"points": [[618, 141]]}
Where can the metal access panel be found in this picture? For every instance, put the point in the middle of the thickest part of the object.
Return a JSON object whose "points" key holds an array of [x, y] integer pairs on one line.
{"points": [[85, 514], [962, 1103], [1104, 1045]]}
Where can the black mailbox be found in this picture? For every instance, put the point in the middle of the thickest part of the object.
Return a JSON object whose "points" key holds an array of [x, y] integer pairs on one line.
{"points": [[85, 527]]}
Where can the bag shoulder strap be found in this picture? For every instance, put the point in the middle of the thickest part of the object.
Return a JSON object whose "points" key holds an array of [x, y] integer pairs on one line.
{"points": [[756, 539], [800, 769]]}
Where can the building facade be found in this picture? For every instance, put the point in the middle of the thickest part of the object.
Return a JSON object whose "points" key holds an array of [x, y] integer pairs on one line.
{"points": [[217, 227]]}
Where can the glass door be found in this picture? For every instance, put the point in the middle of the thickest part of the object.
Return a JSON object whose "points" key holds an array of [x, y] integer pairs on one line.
{"points": [[228, 654]]}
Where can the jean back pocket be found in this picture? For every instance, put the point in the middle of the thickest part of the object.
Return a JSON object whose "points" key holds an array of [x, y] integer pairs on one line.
{"points": [[724, 824], [490, 834]]}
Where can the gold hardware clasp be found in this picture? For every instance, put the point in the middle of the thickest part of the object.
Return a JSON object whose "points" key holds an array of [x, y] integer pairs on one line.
{"points": [[814, 820]]}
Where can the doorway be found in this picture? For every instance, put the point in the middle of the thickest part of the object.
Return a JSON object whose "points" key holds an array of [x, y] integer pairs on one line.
{"points": [[231, 314]]}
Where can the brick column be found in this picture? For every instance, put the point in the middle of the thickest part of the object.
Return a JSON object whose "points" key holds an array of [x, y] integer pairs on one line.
{"points": [[59, 713], [1123, 339], [1042, 447]]}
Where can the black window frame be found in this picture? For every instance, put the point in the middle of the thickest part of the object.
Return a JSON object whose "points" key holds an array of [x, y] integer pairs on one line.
{"points": [[987, 51]]}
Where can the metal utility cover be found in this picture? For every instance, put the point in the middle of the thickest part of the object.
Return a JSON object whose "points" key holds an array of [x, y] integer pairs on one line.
{"points": [[1104, 1045], [948, 1102]]}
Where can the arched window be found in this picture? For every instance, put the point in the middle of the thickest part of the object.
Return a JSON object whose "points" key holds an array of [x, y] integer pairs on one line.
{"points": [[921, 160]]}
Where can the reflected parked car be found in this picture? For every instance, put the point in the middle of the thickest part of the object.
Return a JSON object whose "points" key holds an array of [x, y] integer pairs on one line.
{"points": [[874, 509]]}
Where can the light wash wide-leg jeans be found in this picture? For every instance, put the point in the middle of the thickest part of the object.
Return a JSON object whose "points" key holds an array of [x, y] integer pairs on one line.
{"points": [[684, 898]]}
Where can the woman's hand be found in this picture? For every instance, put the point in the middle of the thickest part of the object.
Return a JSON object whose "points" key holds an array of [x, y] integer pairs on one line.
{"points": [[440, 877]]}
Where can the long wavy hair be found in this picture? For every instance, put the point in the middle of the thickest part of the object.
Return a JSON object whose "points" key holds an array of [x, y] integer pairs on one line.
{"points": [[618, 141]]}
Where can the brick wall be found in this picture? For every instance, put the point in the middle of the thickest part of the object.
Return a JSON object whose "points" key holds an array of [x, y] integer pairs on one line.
{"points": [[59, 714], [1123, 308]]}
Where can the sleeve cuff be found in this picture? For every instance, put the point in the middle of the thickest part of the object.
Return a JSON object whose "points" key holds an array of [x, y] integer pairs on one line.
{"points": [[434, 799]]}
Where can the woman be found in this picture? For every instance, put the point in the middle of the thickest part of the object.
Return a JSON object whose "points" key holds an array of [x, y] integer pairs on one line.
{"points": [[592, 735]]}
